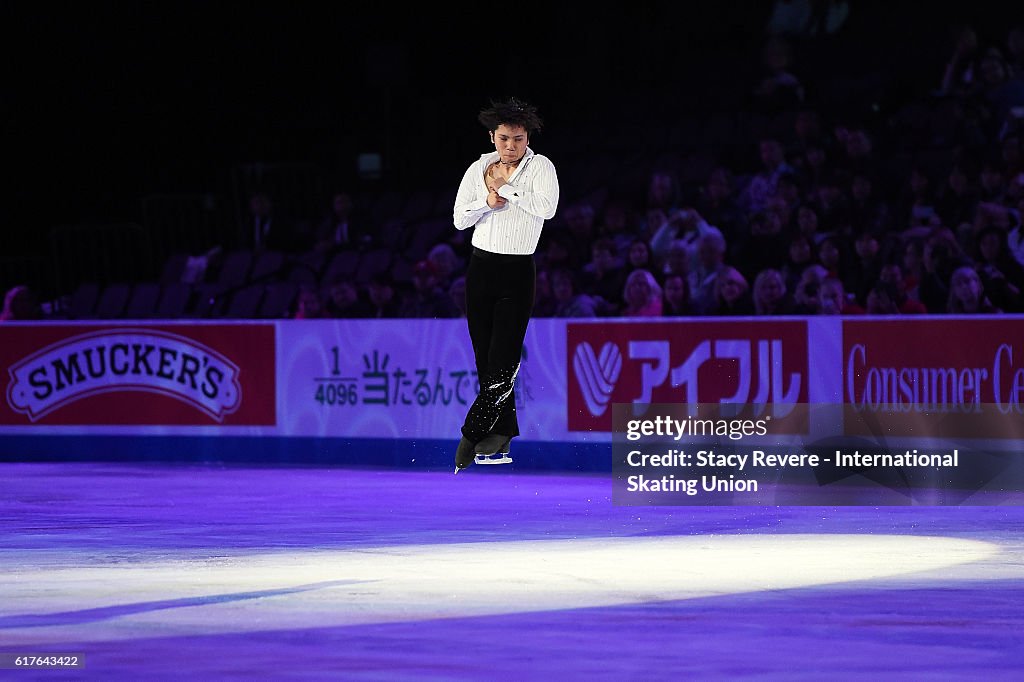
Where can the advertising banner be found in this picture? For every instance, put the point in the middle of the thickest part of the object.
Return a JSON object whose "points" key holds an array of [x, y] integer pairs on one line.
{"points": [[407, 379], [935, 377], [168, 375], [735, 361]]}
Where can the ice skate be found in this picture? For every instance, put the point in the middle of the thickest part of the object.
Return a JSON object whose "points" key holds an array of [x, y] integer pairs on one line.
{"points": [[494, 449], [464, 454]]}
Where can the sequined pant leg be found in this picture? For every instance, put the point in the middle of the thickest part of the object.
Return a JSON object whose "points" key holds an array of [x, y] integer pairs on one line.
{"points": [[497, 393], [499, 301]]}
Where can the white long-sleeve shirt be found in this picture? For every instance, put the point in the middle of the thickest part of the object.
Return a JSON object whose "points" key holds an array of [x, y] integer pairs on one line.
{"points": [[532, 196]]}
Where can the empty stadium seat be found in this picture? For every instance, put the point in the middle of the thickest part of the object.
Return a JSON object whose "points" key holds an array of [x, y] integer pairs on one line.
{"points": [[83, 301], [174, 300], [244, 303], [278, 298], [113, 301], [142, 301]]}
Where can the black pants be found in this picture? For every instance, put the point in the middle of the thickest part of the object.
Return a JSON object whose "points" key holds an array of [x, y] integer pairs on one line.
{"points": [[499, 301]]}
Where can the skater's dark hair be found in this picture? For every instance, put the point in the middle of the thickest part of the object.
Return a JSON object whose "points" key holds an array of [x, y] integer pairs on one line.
{"points": [[512, 112]]}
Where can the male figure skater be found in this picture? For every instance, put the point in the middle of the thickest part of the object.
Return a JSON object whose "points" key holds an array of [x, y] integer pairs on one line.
{"points": [[506, 196]]}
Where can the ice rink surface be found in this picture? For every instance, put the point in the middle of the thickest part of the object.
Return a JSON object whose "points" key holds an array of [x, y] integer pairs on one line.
{"points": [[165, 571]]}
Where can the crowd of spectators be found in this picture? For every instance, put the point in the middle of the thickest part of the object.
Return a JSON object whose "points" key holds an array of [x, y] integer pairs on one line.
{"points": [[823, 221], [823, 225]]}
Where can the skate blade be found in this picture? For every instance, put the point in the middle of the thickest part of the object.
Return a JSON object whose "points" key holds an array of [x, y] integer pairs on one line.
{"points": [[493, 459]]}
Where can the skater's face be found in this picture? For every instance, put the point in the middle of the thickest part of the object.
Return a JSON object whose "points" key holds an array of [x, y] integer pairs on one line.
{"points": [[510, 142]]}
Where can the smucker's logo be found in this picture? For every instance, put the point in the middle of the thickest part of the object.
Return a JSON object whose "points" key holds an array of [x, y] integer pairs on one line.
{"points": [[124, 360]]}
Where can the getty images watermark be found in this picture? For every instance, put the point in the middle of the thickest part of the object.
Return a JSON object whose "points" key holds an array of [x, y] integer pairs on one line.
{"points": [[725, 454]]}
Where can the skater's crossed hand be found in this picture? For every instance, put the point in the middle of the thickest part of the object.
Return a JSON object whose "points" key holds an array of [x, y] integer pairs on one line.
{"points": [[494, 200]]}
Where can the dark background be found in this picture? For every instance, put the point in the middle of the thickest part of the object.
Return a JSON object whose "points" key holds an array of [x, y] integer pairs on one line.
{"points": [[106, 102]]}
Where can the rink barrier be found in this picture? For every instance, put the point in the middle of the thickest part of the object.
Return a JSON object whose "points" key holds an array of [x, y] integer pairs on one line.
{"points": [[369, 392]]}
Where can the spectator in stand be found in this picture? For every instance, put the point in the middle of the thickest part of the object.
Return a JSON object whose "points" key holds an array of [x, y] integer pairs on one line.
{"points": [[765, 246], [918, 205], [617, 221], [717, 203], [814, 166], [1001, 275], [833, 300], [770, 295], [1000, 92], [544, 301], [831, 202], [764, 184], [779, 89], [309, 305], [337, 230], [663, 191], [808, 131], [555, 252], [677, 259], [911, 262], [344, 301], [270, 231], [807, 225], [864, 271], [732, 295], [832, 257], [896, 290], [807, 290], [383, 301], [960, 75], [664, 197], [639, 257], [642, 295], [788, 198], [858, 149], [867, 210], [992, 181], [682, 224], [427, 299], [957, 199], [676, 294], [457, 291], [711, 251], [447, 264], [604, 277], [568, 301], [580, 222], [941, 257], [21, 303], [800, 255], [1010, 220], [882, 300], [967, 294]]}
